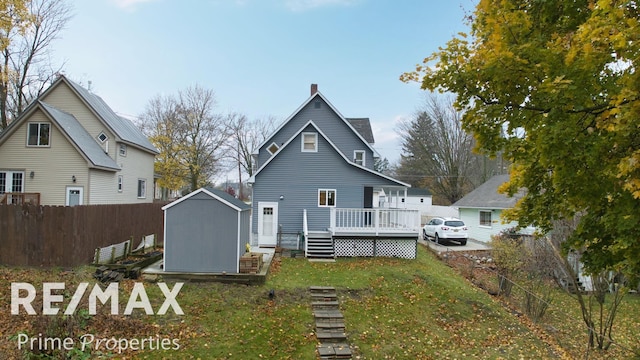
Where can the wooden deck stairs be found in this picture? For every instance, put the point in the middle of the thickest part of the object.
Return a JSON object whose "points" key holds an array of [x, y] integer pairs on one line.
{"points": [[320, 246], [330, 330]]}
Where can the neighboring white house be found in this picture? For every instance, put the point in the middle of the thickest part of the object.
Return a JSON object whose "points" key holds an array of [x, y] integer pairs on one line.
{"points": [[414, 198], [70, 148], [481, 209]]}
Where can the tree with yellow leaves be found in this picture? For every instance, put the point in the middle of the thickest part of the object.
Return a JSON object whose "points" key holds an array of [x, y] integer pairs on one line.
{"points": [[561, 79]]}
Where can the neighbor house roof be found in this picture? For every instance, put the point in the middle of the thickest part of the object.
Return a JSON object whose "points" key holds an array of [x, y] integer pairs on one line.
{"points": [[418, 192], [220, 195], [83, 141], [123, 128], [363, 127], [487, 196]]}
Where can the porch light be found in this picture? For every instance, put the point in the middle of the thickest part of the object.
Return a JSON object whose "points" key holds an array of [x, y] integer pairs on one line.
{"points": [[73, 178], [32, 174]]}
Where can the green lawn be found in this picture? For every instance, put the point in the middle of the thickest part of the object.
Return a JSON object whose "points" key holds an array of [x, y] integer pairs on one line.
{"points": [[393, 308]]}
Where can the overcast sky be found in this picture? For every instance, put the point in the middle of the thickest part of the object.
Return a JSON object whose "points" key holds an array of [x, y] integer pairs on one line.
{"points": [[260, 56]]}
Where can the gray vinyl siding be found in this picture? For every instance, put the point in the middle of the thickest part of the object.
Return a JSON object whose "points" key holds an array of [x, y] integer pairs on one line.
{"points": [[297, 176], [245, 231], [201, 235], [329, 123]]}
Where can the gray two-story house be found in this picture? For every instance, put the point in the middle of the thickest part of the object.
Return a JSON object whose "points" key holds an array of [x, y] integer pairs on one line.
{"points": [[315, 186]]}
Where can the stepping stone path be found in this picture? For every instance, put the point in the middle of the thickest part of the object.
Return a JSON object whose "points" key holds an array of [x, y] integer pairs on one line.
{"points": [[329, 324]]}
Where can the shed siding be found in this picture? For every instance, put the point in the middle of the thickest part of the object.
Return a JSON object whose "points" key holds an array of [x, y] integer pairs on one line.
{"points": [[53, 166], [297, 176], [329, 123], [201, 236]]}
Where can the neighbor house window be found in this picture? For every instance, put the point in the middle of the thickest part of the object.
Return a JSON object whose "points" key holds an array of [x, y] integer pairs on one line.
{"points": [[102, 137], [142, 188], [119, 183], [326, 197], [123, 150], [358, 157], [485, 218], [309, 142], [11, 181], [273, 148], [39, 134]]}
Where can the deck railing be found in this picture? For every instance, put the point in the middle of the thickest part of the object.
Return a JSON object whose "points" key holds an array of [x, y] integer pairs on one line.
{"points": [[305, 229], [18, 198], [374, 221]]}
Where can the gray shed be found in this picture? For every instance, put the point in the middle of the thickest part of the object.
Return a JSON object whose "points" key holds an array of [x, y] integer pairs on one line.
{"points": [[205, 232]]}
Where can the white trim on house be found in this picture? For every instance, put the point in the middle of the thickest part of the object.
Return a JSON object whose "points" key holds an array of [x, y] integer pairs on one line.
{"points": [[335, 148], [366, 143], [309, 138], [272, 145], [197, 192]]}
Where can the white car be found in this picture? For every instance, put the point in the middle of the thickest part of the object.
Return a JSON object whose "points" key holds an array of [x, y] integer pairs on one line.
{"points": [[446, 229]]}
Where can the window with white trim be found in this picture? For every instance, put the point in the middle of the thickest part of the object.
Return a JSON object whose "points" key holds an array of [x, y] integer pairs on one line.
{"points": [[103, 137], [38, 134], [273, 148], [485, 218], [326, 197], [358, 157], [120, 181], [11, 181], [309, 142], [142, 188], [123, 149]]}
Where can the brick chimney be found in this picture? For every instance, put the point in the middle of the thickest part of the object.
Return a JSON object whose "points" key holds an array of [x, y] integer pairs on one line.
{"points": [[314, 89]]}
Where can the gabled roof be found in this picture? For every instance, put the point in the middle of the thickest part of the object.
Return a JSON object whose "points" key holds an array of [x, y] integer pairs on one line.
{"points": [[317, 94], [123, 128], [335, 148], [72, 129], [487, 196], [219, 195], [82, 140], [363, 127]]}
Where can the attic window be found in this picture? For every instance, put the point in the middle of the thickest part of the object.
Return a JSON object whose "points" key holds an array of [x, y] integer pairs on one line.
{"points": [[358, 157], [309, 142], [273, 148], [102, 137], [317, 104]]}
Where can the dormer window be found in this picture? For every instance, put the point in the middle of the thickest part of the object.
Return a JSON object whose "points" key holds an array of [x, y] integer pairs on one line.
{"points": [[273, 148], [309, 142], [358, 157], [38, 134]]}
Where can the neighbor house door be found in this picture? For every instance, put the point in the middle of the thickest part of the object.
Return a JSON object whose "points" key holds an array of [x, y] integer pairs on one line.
{"points": [[74, 196], [267, 223]]}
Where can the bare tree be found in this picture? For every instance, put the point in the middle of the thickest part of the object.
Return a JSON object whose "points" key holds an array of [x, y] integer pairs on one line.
{"points": [[190, 135], [247, 136], [26, 61], [438, 153]]}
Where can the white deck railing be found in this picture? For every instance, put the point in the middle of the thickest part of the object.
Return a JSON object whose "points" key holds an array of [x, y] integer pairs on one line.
{"points": [[374, 221]]}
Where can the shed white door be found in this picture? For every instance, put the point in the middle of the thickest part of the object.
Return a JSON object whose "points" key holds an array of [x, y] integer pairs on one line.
{"points": [[267, 223], [74, 196]]}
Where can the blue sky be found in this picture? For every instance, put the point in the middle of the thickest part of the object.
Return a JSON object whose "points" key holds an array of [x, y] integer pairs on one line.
{"points": [[260, 56]]}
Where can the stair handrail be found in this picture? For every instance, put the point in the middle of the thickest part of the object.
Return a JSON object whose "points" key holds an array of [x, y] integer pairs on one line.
{"points": [[305, 230]]}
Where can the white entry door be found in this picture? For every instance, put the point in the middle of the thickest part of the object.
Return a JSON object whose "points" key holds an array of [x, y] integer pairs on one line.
{"points": [[74, 196], [267, 223]]}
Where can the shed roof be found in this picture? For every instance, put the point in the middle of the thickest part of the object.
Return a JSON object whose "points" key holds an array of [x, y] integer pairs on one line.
{"points": [[219, 195], [487, 196], [418, 192]]}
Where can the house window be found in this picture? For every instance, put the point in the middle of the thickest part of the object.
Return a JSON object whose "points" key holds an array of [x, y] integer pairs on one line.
{"points": [[358, 157], [402, 199], [326, 197], [273, 148], [119, 183], [485, 218], [421, 200], [11, 181], [123, 150], [38, 134], [309, 142], [142, 188], [102, 137]]}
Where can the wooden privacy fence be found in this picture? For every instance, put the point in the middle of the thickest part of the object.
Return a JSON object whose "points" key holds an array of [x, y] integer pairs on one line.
{"points": [[68, 236]]}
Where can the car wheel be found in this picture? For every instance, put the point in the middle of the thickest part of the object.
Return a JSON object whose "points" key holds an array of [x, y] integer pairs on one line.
{"points": [[463, 242], [424, 235], [437, 239]]}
